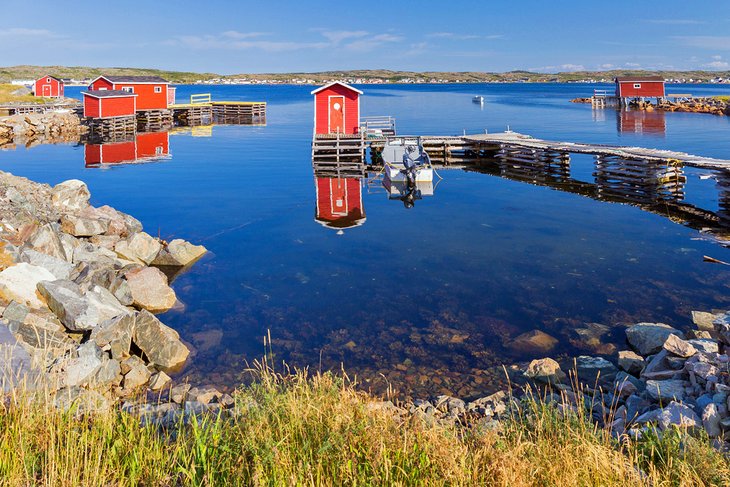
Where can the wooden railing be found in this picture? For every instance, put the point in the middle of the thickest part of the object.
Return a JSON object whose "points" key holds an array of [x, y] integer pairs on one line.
{"points": [[378, 126], [199, 99]]}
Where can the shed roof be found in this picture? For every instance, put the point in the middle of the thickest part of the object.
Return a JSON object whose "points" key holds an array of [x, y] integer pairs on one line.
{"points": [[629, 79], [49, 76], [108, 93], [134, 79], [328, 85]]}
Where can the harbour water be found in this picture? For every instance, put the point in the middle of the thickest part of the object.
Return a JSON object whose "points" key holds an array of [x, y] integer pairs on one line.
{"points": [[428, 299]]}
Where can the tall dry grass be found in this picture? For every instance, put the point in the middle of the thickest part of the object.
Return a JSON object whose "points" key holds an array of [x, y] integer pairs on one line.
{"points": [[319, 430]]}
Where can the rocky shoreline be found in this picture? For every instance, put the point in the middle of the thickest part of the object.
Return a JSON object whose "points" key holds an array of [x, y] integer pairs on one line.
{"points": [[79, 286], [33, 128], [713, 106]]}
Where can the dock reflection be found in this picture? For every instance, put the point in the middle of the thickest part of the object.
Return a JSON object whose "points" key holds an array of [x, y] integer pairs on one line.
{"points": [[654, 187], [143, 147]]}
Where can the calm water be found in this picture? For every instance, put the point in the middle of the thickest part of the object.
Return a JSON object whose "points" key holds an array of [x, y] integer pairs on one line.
{"points": [[427, 299]]}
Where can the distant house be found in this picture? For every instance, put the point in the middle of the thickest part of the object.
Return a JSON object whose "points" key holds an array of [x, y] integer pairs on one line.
{"points": [[48, 87], [640, 87], [336, 109], [109, 103], [153, 92]]}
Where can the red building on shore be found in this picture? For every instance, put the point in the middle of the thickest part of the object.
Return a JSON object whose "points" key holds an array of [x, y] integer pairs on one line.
{"points": [[109, 103], [153, 92], [336, 109], [640, 87], [48, 87]]}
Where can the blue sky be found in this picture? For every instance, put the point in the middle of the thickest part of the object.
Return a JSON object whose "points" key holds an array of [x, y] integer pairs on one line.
{"points": [[282, 36]]}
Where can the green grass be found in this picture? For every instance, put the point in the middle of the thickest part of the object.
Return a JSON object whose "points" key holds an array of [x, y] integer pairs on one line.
{"points": [[726, 99], [319, 430], [7, 96]]}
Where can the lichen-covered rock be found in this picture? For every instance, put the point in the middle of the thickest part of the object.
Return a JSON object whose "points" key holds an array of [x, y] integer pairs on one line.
{"points": [[46, 240], [179, 253], [19, 283], [83, 227], [160, 343], [648, 338], [149, 289], [70, 196], [666, 389], [141, 247], [545, 370], [115, 335]]}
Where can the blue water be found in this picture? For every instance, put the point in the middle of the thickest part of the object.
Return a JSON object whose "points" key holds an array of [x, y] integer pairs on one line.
{"points": [[429, 299]]}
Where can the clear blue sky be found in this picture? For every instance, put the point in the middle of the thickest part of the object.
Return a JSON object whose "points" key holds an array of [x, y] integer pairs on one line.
{"points": [[458, 35]]}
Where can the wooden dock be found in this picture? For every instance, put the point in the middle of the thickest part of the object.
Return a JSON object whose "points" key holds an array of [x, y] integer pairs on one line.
{"points": [[203, 110]]}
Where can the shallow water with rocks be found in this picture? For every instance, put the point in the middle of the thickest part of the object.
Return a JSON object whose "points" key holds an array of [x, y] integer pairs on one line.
{"points": [[432, 300]]}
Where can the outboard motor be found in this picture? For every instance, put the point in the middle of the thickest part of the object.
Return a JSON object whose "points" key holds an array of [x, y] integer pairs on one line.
{"points": [[410, 165]]}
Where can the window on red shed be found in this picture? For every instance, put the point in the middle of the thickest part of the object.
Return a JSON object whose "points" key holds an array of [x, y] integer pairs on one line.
{"points": [[637, 85]]}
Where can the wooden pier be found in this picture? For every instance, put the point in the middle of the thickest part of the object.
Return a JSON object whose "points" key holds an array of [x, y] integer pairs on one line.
{"points": [[154, 120], [203, 110], [115, 127], [339, 153]]}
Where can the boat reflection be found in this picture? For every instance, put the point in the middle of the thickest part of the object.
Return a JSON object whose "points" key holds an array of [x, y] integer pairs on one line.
{"points": [[339, 202], [143, 147], [641, 122], [406, 193]]}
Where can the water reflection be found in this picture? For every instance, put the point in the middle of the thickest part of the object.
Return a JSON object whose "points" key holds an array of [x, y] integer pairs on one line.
{"points": [[655, 187], [339, 202], [408, 194], [143, 147], [641, 122]]}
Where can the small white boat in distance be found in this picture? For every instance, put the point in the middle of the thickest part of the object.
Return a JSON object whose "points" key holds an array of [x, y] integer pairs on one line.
{"points": [[478, 99], [406, 161]]}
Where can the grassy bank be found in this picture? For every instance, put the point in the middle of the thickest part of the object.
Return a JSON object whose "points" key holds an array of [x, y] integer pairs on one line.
{"points": [[319, 430], [7, 96]]}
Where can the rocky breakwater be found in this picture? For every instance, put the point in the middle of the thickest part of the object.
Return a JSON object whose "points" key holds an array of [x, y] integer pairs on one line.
{"points": [[714, 106], [79, 286], [52, 126], [665, 379]]}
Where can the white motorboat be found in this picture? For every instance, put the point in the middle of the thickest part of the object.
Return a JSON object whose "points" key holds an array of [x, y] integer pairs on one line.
{"points": [[406, 161], [478, 99]]}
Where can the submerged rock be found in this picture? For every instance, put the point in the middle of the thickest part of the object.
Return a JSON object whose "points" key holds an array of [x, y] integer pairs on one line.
{"points": [[534, 341]]}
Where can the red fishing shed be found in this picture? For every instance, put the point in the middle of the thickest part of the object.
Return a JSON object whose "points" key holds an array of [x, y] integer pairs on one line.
{"points": [[339, 203], [336, 109], [640, 87], [109, 103], [48, 87], [151, 91]]}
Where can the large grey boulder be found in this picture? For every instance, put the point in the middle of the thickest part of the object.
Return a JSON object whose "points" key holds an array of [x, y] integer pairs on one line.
{"points": [[678, 415], [666, 390], [19, 283], [711, 420], [160, 343], [60, 268], [648, 338], [120, 224], [149, 290], [593, 369], [141, 247], [88, 252], [70, 196], [179, 253], [81, 369], [16, 366], [77, 311]]}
